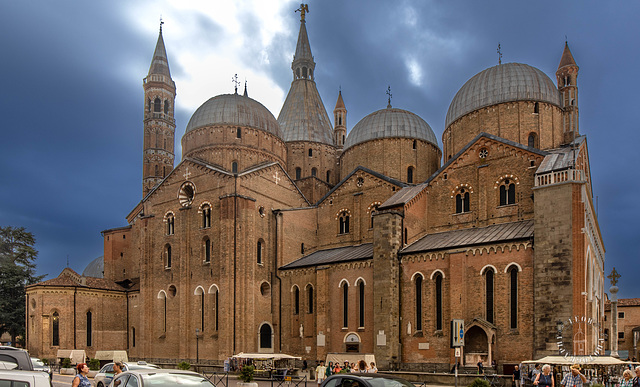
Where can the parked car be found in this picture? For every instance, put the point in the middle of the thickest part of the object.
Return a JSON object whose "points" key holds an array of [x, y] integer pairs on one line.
{"points": [[15, 358], [365, 380], [160, 378], [38, 365], [24, 378], [105, 375]]}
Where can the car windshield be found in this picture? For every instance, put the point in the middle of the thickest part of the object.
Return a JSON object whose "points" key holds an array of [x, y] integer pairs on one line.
{"points": [[161, 380], [387, 382], [37, 363]]}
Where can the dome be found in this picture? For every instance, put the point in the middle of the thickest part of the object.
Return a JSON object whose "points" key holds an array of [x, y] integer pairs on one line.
{"points": [[390, 122], [503, 83], [95, 268], [234, 109]]}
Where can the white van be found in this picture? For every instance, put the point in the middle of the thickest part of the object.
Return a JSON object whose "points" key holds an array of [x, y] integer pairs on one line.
{"points": [[16, 378]]}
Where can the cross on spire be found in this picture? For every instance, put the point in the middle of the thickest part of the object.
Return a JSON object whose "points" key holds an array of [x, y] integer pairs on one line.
{"points": [[613, 277], [499, 50], [304, 8], [390, 95], [187, 174], [235, 81]]}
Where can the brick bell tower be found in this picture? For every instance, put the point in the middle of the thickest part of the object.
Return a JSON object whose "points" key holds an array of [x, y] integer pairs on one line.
{"points": [[567, 76], [159, 122]]}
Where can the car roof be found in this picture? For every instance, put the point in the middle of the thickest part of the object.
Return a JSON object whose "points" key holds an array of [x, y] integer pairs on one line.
{"points": [[161, 371], [22, 374]]}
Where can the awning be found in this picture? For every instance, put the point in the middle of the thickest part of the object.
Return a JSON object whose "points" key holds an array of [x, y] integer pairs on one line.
{"points": [[584, 360], [77, 356], [112, 355], [265, 356]]}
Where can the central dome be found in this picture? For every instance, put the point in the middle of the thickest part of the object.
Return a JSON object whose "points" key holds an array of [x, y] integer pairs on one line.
{"points": [[503, 83], [234, 109], [390, 122]]}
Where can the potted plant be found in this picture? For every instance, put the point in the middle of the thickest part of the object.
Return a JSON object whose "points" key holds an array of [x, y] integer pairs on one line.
{"points": [[94, 367], [66, 368], [246, 377], [183, 365]]}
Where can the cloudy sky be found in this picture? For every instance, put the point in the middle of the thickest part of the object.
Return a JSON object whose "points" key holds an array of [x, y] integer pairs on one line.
{"points": [[71, 97]]}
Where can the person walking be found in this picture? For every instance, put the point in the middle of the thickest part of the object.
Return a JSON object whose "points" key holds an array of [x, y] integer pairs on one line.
{"points": [[545, 378], [534, 373], [627, 379], [321, 372], [81, 379], [329, 370], [516, 376], [574, 378], [480, 367], [636, 379]]}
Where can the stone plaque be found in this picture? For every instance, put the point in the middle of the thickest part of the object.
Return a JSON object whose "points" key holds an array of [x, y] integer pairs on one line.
{"points": [[423, 345], [381, 339], [321, 340]]}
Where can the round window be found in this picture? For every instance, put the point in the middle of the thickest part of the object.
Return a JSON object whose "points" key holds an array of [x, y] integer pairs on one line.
{"points": [[186, 194]]}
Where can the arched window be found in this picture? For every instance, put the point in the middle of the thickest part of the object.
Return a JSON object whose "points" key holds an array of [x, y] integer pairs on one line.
{"points": [[418, 302], [328, 176], [410, 175], [314, 171], [265, 336], [507, 192], [157, 108], [415, 144], [536, 108], [296, 300], [149, 104], [238, 133], [55, 337], [206, 216], [513, 296], [207, 250], [170, 219], [344, 222], [166, 106], [157, 170], [304, 72], [438, 280], [374, 208], [361, 304], [234, 167], [259, 251], [345, 304], [532, 141], [301, 248], [310, 299], [488, 285], [462, 201], [339, 120], [89, 329], [199, 293], [310, 152], [298, 173], [163, 299], [133, 337], [167, 255]]}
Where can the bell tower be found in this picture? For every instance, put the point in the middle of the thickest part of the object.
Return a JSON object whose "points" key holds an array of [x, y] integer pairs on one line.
{"points": [[567, 76], [339, 122], [159, 122]]}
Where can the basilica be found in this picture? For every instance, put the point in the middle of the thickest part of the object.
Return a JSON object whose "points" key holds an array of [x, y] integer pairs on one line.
{"points": [[302, 235]]}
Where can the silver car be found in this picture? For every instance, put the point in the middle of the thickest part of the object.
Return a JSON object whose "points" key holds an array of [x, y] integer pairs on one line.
{"points": [[104, 377], [38, 365], [160, 378]]}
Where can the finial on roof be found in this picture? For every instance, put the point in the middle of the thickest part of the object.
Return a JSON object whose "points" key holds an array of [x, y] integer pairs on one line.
{"points": [[613, 277], [245, 88], [390, 95], [161, 23], [304, 8], [499, 50], [235, 81]]}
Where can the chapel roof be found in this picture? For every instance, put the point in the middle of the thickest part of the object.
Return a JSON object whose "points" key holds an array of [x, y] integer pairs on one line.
{"points": [[335, 255], [69, 278]]}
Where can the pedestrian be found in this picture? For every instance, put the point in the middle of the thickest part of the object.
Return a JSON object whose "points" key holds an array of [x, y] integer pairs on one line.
{"points": [[534, 373], [81, 379], [516, 376], [373, 368], [480, 367], [362, 366], [636, 380], [321, 372], [627, 379], [329, 370], [575, 378], [117, 369], [545, 378], [336, 368]]}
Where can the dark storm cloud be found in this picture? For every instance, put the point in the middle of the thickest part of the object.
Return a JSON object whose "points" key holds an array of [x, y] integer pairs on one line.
{"points": [[71, 95]]}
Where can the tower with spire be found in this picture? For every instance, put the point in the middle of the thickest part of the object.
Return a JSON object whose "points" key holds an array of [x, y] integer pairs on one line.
{"points": [[339, 122], [567, 76], [159, 122]]}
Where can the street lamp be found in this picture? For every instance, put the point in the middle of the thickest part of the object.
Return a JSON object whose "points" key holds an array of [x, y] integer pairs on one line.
{"points": [[197, 345]]}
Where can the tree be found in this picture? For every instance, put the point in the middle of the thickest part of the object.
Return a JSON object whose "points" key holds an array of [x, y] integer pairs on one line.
{"points": [[17, 270]]}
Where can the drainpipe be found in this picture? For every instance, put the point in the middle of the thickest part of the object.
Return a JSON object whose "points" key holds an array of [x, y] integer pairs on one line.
{"points": [[275, 270]]}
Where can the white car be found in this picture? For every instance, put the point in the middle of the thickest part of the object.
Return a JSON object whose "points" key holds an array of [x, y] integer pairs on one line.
{"points": [[104, 377], [160, 378], [24, 378]]}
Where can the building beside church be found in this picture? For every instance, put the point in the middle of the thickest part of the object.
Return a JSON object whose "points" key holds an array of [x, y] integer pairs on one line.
{"points": [[298, 235]]}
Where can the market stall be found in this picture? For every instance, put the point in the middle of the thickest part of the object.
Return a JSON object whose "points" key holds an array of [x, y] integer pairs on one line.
{"points": [[276, 365], [604, 370]]}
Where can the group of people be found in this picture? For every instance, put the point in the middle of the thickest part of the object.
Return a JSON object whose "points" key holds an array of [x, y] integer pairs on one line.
{"points": [[544, 377], [323, 372], [81, 380]]}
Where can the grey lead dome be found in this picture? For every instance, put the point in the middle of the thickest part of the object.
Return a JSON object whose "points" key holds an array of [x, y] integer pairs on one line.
{"points": [[234, 109], [390, 122], [503, 83]]}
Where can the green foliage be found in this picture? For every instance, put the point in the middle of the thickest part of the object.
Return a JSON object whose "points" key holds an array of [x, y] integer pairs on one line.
{"points": [[479, 383], [94, 364], [65, 363], [597, 385], [17, 270], [246, 374], [183, 365]]}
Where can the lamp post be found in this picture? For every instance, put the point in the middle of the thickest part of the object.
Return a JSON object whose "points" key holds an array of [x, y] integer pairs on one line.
{"points": [[197, 345], [613, 277]]}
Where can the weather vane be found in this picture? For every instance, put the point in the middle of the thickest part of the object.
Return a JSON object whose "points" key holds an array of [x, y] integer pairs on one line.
{"points": [[235, 81], [161, 23], [390, 95], [614, 277], [499, 54], [304, 8]]}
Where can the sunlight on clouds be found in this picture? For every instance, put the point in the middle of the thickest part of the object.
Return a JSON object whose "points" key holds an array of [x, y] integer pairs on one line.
{"points": [[410, 16], [415, 71]]}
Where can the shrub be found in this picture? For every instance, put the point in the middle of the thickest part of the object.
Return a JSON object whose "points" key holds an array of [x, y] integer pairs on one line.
{"points": [[94, 364], [246, 374], [597, 385], [479, 383], [183, 365], [65, 363]]}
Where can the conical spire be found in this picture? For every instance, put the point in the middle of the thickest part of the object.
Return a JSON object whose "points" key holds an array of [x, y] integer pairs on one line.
{"points": [[159, 63], [340, 102], [567, 58], [303, 49], [303, 65]]}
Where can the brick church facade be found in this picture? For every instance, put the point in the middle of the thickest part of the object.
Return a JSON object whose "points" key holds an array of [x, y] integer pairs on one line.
{"points": [[295, 235]]}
